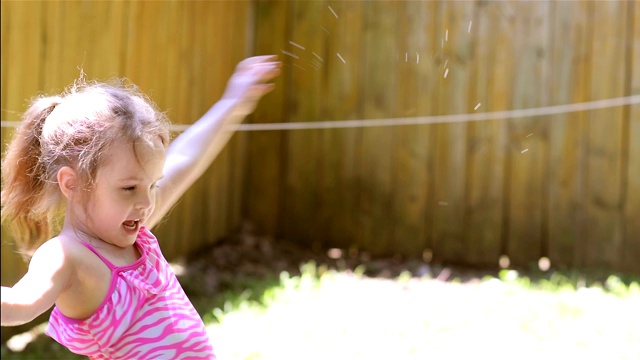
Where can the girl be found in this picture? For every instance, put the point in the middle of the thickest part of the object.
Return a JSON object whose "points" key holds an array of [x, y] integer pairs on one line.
{"points": [[101, 155]]}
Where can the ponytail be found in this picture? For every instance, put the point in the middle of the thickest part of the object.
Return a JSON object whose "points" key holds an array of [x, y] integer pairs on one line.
{"points": [[28, 202]]}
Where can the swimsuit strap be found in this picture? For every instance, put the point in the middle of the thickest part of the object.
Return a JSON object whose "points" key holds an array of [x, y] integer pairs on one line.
{"points": [[107, 262]]}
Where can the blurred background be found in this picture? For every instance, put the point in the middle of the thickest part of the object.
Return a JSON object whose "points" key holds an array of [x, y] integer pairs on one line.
{"points": [[560, 190]]}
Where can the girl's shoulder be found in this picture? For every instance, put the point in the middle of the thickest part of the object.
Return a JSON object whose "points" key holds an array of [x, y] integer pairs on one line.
{"points": [[58, 249], [70, 247], [70, 251]]}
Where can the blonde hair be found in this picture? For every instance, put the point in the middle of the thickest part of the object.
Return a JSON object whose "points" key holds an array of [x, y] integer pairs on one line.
{"points": [[73, 129]]}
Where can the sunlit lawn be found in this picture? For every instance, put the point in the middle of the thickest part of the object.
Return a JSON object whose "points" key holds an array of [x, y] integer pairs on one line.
{"points": [[344, 315]]}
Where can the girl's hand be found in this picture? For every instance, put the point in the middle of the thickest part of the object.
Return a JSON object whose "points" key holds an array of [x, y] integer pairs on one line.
{"points": [[248, 84]]}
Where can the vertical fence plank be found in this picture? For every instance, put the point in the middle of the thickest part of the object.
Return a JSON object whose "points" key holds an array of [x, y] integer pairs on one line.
{"points": [[233, 29], [569, 34], [13, 267], [97, 39], [102, 33], [209, 189], [340, 163], [264, 162], [631, 249], [499, 97], [604, 210], [5, 111], [453, 82], [412, 155], [300, 216], [212, 72], [56, 73], [194, 201], [376, 163], [26, 45], [190, 230], [485, 140], [243, 26], [528, 137], [5, 114]]}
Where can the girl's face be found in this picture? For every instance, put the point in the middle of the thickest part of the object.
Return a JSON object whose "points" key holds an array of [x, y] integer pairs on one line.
{"points": [[124, 193]]}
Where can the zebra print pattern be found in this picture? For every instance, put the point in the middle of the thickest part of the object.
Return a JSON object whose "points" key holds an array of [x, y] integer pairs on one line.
{"points": [[145, 315]]}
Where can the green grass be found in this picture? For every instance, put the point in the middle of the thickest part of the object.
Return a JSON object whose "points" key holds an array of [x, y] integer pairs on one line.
{"points": [[323, 313], [346, 316]]}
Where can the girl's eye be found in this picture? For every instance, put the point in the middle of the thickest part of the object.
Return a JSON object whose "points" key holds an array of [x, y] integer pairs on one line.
{"points": [[134, 187]]}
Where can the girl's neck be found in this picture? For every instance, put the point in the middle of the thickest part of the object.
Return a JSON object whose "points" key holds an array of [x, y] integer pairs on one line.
{"points": [[116, 255], [77, 231]]}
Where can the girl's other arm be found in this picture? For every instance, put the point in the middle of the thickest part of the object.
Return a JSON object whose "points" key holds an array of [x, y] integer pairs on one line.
{"points": [[48, 275], [191, 153]]}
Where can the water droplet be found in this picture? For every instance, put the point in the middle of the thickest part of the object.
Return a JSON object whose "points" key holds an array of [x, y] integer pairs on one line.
{"points": [[296, 45], [290, 54], [334, 13], [318, 56]]}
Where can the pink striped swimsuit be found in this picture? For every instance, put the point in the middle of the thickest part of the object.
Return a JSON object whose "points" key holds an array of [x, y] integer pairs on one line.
{"points": [[145, 315]]}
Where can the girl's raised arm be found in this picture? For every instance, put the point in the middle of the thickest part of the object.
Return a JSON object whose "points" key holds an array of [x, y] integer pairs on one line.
{"points": [[191, 153]]}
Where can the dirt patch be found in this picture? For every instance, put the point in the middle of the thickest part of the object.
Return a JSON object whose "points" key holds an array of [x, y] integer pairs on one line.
{"points": [[245, 257]]}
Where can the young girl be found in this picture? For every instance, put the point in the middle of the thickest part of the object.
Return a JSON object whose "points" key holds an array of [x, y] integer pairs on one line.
{"points": [[101, 155]]}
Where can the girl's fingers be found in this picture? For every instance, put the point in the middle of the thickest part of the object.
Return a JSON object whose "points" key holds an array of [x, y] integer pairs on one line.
{"points": [[257, 60], [265, 73]]}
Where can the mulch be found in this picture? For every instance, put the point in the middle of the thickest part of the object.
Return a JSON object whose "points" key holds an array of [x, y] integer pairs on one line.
{"points": [[245, 256]]}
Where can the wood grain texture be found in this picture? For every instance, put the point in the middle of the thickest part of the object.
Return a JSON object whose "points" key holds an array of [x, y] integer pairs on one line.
{"points": [[264, 164], [339, 157], [485, 190], [631, 245], [380, 56], [567, 176], [454, 69], [605, 135]]}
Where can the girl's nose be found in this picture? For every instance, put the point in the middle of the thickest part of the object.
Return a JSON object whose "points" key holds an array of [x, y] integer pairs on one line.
{"points": [[145, 201]]}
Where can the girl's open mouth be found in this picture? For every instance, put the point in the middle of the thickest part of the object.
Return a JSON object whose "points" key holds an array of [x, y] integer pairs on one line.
{"points": [[131, 224]]}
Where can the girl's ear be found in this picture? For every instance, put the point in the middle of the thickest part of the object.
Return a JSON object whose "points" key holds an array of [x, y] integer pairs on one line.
{"points": [[67, 180]]}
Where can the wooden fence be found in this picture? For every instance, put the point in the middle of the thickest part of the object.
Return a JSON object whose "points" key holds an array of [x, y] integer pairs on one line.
{"points": [[564, 186]]}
